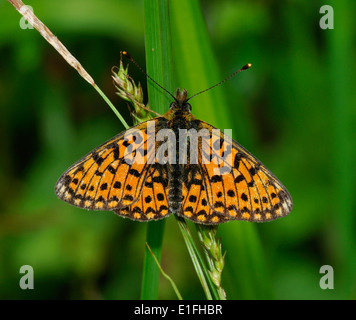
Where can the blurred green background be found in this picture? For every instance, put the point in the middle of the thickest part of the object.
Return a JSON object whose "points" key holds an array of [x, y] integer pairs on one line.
{"points": [[295, 110]]}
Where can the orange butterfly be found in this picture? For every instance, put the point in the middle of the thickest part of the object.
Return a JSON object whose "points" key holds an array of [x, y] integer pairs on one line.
{"points": [[207, 192]]}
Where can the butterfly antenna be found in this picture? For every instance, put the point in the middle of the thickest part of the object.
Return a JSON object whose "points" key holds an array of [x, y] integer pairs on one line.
{"points": [[127, 55], [245, 67]]}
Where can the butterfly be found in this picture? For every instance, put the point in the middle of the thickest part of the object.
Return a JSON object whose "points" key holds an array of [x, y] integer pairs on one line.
{"points": [[144, 177]]}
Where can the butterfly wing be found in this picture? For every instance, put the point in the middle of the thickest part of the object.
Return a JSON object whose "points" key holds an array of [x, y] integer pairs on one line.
{"points": [[195, 205], [121, 175], [152, 203], [235, 184], [112, 176]]}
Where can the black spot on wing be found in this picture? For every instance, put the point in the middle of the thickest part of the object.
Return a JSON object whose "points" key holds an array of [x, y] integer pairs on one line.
{"points": [[99, 160], [215, 179], [239, 178], [117, 185], [134, 172]]}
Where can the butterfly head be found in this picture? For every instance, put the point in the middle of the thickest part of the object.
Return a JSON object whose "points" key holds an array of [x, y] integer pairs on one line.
{"points": [[180, 102]]}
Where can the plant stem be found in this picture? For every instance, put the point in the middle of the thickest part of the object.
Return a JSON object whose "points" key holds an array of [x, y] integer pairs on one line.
{"points": [[198, 263], [165, 274], [62, 50], [51, 38], [111, 106]]}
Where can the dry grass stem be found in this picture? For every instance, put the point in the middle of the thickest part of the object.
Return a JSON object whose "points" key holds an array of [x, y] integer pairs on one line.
{"points": [[51, 38]]}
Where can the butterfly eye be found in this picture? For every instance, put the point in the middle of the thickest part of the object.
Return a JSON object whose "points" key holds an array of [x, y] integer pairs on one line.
{"points": [[189, 107], [172, 106]]}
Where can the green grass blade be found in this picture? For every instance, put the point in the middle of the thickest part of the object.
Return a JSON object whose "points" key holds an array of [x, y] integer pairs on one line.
{"points": [[199, 266], [150, 278], [165, 274], [158, 53], [195, 64], [159, 67], [112, 107]]}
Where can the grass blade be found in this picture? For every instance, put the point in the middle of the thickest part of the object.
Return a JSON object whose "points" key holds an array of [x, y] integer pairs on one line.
{"points": [[199, 266], [150, 278], [165, 274], [159, 67]]}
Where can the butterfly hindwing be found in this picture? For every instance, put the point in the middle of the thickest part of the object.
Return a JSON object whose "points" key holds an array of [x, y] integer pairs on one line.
{"points": [[152, 204], [195, 206]]}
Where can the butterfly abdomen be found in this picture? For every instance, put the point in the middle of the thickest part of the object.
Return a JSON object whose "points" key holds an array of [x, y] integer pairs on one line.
{"points": [[175, 171], [175, 197]]}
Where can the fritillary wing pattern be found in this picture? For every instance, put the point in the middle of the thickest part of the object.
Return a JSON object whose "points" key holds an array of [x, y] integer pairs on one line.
{"points": [[116, 175], [239, 189]]}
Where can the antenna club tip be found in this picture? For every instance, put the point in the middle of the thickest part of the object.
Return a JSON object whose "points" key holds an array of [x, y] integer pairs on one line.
{"points": [[126, 54], [246, 66]]}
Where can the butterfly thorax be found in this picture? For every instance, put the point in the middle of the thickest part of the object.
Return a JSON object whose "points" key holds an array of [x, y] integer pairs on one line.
{"points": [[180, 109], [180, 102]]}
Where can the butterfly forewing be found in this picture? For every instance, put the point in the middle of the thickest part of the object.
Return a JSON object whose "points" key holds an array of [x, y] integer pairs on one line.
{"points": [[107, 178]]}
